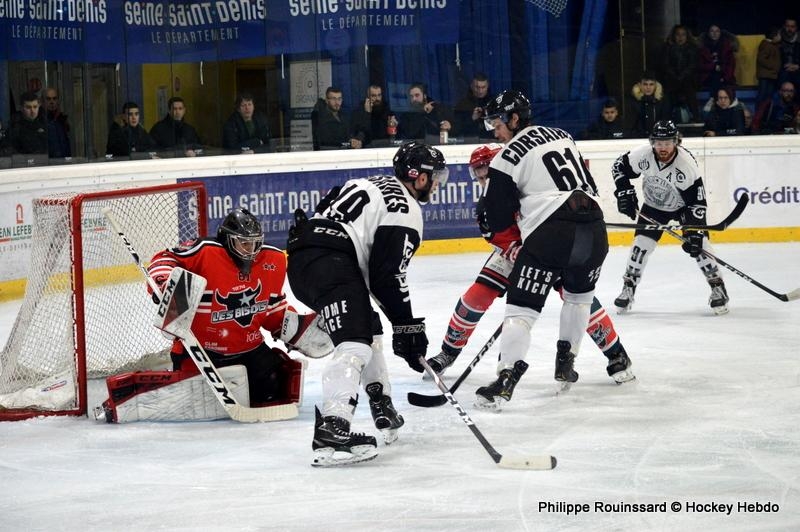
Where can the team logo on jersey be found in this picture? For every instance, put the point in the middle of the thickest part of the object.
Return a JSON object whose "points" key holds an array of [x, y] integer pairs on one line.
{"points": [[680, 177], [644, 164], [240, 306], [270, 267]]}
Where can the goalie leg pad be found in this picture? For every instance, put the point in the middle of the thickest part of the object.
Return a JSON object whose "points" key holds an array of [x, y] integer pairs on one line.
{"points": [[170, 396]]}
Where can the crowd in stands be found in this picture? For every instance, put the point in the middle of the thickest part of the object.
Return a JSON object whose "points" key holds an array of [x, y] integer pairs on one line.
{"points": [[694, 82], [702, 70]]}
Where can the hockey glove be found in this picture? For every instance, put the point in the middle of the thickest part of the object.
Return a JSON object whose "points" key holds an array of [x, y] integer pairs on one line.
{"points": [[627, 202], [410, 342], [694, 243]]}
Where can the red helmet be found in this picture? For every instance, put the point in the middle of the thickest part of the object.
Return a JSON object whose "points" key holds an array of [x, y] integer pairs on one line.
{"points": [[482, 156]]}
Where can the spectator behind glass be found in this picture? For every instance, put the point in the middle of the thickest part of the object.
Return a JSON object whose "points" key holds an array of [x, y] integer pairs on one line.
{"points": [[649, 105], [5, 144], [245, 130], [131, 138], [425, 116], [776, 115], [726, 117], [790, 53], [28, 134], [797, 123], [768, 64], [58, 143], [332, 126], [717, 66], [173, 133], [748, 120], [608, 125], [372, 118], [679, 74], [468, 112]]}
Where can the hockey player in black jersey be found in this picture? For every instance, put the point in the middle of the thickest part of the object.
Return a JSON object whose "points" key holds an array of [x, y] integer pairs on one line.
{"points": [[673, 190], [358, 246], [541, 210]]}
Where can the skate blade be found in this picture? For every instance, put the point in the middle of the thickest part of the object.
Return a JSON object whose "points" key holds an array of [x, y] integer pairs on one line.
{"points": [[621, 377], [488, 404], [427, 377], [623, 310], [389, 436], [563, 387], [328, 457], [719, 311]]}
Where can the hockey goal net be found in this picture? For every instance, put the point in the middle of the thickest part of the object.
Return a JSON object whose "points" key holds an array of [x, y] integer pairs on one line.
{"points": [[86, 312]]}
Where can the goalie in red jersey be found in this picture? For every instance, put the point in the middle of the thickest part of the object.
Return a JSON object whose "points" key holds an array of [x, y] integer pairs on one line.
{"points": [[243, 295]]}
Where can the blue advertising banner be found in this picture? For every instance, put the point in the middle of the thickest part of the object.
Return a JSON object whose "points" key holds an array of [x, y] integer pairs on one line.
{"points": [[274, 197], [159, 31]]}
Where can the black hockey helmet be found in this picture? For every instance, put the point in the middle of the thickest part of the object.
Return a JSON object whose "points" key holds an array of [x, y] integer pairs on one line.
{"points": [[413, 158], [242, 236], [665, 130], [504, 105]]}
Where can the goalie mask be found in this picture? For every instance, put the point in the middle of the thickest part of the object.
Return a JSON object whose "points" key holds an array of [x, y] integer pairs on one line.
{"points": [[414, 158], [241, 235], [480, 159], [506, 104]]}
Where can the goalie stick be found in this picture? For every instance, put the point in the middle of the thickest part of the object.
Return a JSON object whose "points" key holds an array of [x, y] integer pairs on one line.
{"points": [[720, 226], [196, 352], [537, 463], [790, 296], [429, 401]]}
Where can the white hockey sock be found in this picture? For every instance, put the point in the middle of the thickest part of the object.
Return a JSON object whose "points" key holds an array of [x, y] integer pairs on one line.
{"points": [[341, 378], [516, 337], [575, 318]]}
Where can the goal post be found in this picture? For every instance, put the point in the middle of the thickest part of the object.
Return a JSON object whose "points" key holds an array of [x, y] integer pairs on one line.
{"points": [[86, 312]]}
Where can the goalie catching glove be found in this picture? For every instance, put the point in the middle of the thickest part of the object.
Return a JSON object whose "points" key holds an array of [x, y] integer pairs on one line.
{"points": [[305, 333], [410, 342]]}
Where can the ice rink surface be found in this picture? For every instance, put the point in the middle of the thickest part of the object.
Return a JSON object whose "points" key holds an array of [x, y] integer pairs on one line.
{"points": [[711, 421]]}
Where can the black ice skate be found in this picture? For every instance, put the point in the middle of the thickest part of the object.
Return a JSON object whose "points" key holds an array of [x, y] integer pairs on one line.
{"points": [[619, 365], [386, 418], [624, 301], [488, 397], [718, 300], [439, 363], [335, 445], [565, 359]]}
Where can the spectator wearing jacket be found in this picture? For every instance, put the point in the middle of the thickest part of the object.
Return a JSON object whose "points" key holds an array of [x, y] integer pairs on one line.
{"points": [[649, 104], [726, 117], [246, 130]]}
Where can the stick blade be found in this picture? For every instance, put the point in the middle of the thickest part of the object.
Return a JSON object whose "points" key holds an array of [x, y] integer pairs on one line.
{"points": [[426, 401], [533, 463], [794, 294]]}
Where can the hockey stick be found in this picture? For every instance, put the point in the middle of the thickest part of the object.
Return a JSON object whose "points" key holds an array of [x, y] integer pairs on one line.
{"points": [[721, 226], [539, 463], [429, 401], [196, 352], [791, 296]]}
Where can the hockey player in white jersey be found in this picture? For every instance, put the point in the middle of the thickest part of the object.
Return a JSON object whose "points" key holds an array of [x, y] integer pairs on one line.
{"points": [[357, 247], [673, 190], [541, 208], [492, 283]]}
